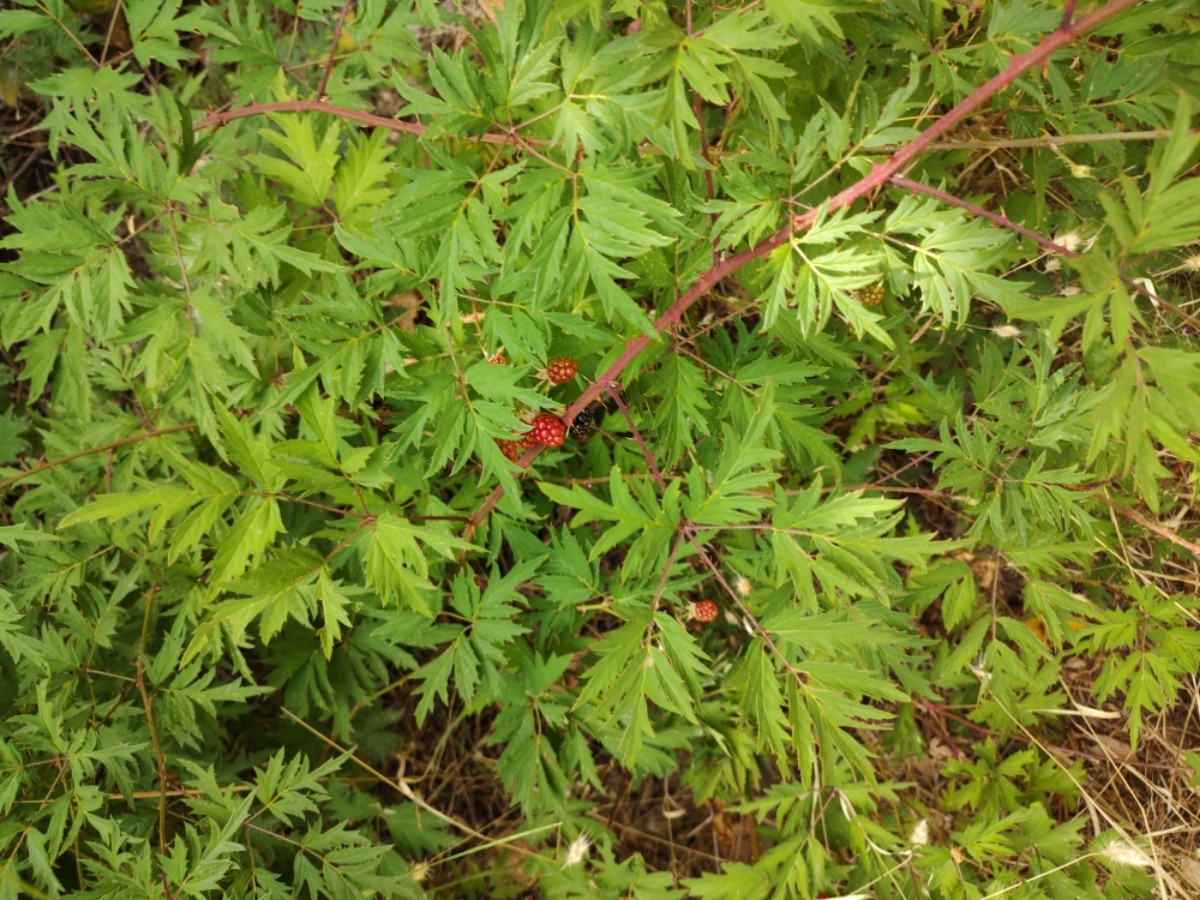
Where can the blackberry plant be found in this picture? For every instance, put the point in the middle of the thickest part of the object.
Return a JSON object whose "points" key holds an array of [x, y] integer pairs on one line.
{"points": [[891, 310]]}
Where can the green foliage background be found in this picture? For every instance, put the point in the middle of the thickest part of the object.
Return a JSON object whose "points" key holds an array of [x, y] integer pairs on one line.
{"points": [[250, 611]]}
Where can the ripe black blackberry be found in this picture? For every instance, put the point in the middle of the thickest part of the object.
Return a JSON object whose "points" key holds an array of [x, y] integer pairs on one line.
{"points": [[582, 424]]}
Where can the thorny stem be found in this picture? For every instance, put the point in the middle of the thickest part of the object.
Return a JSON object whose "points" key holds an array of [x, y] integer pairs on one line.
{"points": [[881, 174], [666, 572], [1017, 66], [878, 176], [258, 109]]}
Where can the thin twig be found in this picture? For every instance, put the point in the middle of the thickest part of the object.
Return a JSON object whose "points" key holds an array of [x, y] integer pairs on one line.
{"points": [[322, 106], [614, 392], [1161, 531], [698, 112], [1049, 141], [688, 530], [401, 787], [801, 677], [1066, 751], [151, 727], [333, 45], [1003, 221], [133, 439], [1068, 14]]}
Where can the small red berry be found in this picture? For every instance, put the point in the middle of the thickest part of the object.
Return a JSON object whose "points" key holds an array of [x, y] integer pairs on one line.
{"points": [[547, 429], [560, 371], [704, 610], [511, 449], [498, 360]]}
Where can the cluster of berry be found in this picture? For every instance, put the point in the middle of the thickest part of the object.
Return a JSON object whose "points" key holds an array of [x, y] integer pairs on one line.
{"points": [[545, 429], [549, 431]]}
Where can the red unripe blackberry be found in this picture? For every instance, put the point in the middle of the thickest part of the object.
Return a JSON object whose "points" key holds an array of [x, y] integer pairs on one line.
{"points": [[704, 610], [547, 429], [560, 371]]}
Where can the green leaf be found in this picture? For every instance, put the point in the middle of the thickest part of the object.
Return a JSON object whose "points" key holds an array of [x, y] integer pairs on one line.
{"points": [[119, 505], [396, 564]]}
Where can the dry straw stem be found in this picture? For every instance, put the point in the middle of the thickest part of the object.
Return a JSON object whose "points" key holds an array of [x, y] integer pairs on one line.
{"points": [[401, 787]]}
